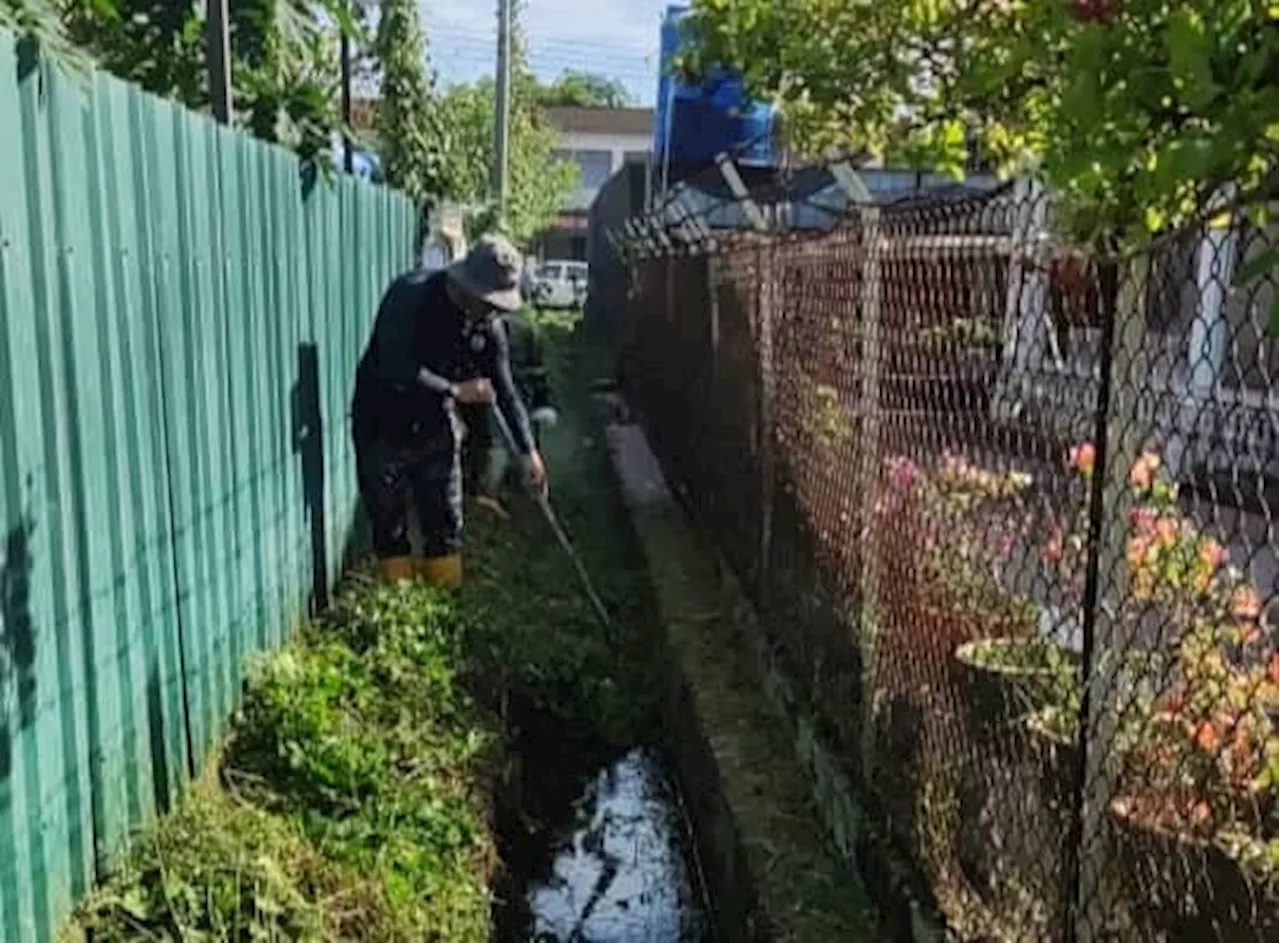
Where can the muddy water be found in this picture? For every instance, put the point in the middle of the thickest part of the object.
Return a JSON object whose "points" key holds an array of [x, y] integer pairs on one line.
{"points": [[619, 868]]}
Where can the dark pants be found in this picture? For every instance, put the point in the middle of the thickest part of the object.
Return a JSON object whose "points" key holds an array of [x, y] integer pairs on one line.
{"points": [[477, 446], [427, 471]]}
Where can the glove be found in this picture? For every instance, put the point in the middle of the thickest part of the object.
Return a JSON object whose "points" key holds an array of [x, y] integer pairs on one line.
{"points": [[546, 416]]}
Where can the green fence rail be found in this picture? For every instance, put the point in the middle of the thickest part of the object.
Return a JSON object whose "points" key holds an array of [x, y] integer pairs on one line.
{"points": [[180, 318]]}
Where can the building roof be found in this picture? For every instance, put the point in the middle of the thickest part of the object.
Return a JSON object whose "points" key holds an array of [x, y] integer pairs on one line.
{"points": [[603, 120]]}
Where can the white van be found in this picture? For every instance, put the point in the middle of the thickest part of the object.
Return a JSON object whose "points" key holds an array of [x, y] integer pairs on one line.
{"points": [[559, 283]]}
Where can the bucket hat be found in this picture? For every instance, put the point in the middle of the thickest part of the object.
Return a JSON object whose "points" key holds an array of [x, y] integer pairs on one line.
{"points": [[490, 272]]}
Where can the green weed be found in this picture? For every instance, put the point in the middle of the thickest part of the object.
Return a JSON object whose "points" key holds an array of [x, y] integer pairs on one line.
{"points": [[351, 802], [533, 641], [214, 870]]}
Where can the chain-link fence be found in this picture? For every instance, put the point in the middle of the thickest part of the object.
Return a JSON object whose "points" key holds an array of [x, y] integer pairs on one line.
{"points": [[1010, 510]]}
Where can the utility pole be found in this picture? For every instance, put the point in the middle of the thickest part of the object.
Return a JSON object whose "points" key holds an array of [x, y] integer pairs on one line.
{"points": [[502, 108], [344, 54], [219, 55]]}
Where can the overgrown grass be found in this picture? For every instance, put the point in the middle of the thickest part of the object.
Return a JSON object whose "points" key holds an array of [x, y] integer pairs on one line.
{"points": [[354, 797], [533, 632], [352, 800]]}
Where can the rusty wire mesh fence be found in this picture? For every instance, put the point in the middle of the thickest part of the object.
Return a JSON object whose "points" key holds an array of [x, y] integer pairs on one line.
{"points": [[1009, 511]]}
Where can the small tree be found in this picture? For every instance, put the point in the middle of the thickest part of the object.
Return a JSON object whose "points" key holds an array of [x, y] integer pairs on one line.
{"points": [[406, 121], [1139, 114], [284, 63], [538, 182], [586, 90]]}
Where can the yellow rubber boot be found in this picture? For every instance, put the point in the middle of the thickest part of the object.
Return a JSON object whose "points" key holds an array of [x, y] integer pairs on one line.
{"points": [[395, 569], [445, 572]]}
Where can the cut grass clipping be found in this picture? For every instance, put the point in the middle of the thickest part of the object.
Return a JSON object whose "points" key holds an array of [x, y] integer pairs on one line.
{"points": [[351, 801]]}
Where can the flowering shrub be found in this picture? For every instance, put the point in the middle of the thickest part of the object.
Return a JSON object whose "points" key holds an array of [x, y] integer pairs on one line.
{"points": [[828, 422], [1204, 758], [1201, 756], [958, 523], [1174, 567]]}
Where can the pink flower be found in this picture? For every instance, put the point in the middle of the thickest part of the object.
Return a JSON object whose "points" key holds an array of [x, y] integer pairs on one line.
{"points": [[1082, 457], [902, 472], [1142, 474], [1143, 519]]}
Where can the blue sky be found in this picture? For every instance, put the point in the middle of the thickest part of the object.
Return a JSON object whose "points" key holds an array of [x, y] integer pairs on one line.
{"points": [[618, 38]]}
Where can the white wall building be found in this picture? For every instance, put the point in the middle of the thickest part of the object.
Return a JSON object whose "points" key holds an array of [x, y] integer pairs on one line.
{"points": [[600, 141]]}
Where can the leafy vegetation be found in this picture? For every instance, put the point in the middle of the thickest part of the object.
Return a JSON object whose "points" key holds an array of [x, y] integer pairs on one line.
{"points": [[405, 123], [538, 181], [1139, 113], [40, 22], [352, 800], [556, 667], [437, 144], [585, 90], [284, 68], [356, 795]]}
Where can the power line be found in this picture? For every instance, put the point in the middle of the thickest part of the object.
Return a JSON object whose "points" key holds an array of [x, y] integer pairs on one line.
{"points": [[452, 37], [470, 56], [541, 62], [581, 60]]}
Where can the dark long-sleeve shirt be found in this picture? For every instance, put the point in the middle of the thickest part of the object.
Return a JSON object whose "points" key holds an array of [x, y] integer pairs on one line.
{"points": [[422, 345], [527, 364]]}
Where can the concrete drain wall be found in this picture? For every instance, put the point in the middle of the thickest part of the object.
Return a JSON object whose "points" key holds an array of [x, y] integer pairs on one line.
{"points": [[779, 830]]}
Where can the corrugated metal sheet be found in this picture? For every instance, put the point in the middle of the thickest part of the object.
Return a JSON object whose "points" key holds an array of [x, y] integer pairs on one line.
{"points": [[180, 318]]}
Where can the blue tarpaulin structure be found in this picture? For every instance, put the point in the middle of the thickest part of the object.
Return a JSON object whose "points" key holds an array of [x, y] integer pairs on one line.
{"points": [[695, 122]]}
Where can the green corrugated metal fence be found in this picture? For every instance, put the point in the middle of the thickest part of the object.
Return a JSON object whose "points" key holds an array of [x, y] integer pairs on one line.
{"points": [[180, 317]]}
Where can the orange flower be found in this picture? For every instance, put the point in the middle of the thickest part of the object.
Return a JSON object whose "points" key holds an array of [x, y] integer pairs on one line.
{"points": [[1052, 552], [1142, 473], [1174, 701], [1167, 531], [1082, 457], [1135, 551], [1212, 553], [1207, 737], [1246, 604], [1273, 668]]}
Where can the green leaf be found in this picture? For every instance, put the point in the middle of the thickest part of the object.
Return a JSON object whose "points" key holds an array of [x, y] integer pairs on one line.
{"points": [[1274, 319], [1255, 268], [1188, 48]]}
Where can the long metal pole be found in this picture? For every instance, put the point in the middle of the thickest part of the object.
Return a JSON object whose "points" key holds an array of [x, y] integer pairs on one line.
{"points": [[219, 55], [502, 108], [543, 500], [344, 54]]}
